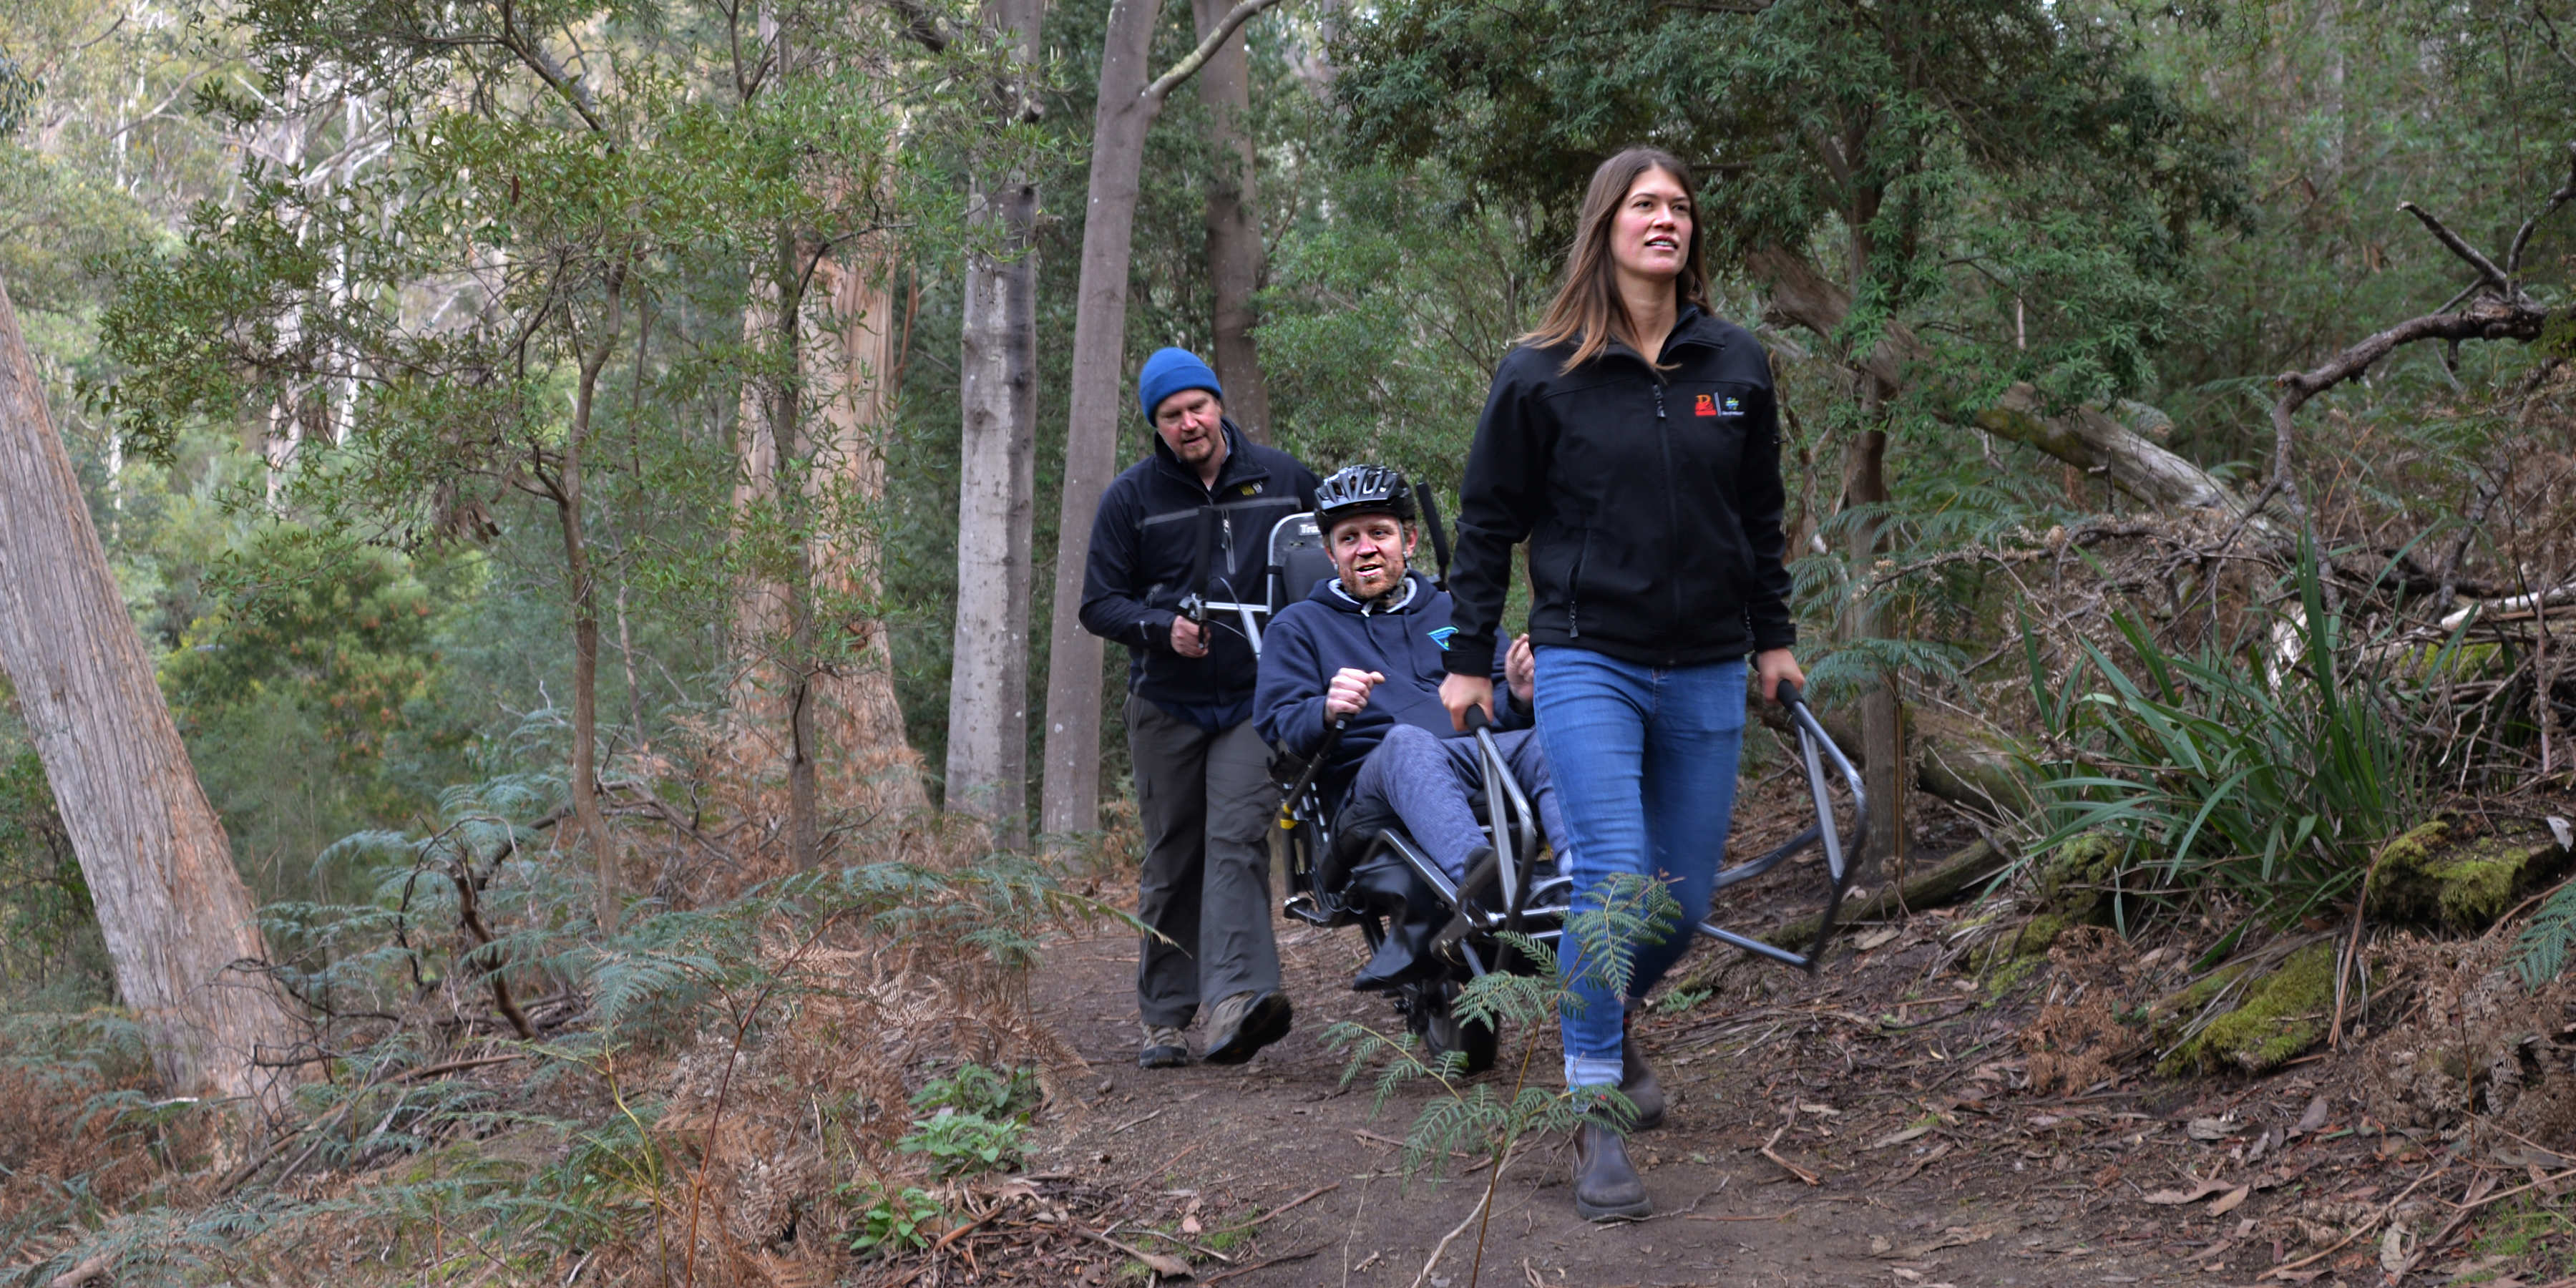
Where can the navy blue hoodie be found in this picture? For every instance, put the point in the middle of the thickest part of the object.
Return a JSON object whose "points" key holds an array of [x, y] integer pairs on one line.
{"points": [[1309, 641]]}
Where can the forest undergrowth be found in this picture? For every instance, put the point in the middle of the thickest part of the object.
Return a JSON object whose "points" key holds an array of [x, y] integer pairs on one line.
{"points": [[757, 1073]]}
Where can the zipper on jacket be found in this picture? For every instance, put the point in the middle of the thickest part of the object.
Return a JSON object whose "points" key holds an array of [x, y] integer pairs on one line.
{"points": [[1672, 498], [1574, 588]]}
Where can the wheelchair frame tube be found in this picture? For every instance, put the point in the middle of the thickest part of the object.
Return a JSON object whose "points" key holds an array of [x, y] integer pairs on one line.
{"points": [[1515, 846], [1816, 747], [1250, 613]]}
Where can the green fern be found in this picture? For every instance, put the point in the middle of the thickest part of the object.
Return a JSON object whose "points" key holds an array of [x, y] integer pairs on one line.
{"points": [[2542, 953]]}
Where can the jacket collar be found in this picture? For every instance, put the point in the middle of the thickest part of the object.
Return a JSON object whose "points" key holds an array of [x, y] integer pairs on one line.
{"points": [[1239, 466], [1692, 327], [1417, 592]]}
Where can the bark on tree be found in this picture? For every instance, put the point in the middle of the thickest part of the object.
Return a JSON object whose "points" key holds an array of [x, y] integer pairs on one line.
{"points": [[773, 690], [814, 694], [796, 477], [870, 766], [1882, 739], [988, 679], [175, 914], [562, 484], [1233, 227], [1128, 104]]}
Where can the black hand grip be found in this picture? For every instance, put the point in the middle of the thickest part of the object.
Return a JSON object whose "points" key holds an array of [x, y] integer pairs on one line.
{"points": [[1789, 694], [1306, 779], [1475, 719]]}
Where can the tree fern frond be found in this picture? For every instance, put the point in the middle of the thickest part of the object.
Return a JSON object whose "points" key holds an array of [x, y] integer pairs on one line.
{"points": [[2542, 952]]}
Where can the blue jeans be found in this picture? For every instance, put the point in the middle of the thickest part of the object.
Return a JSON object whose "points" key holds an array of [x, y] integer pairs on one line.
{"points": [[1644, 760]]}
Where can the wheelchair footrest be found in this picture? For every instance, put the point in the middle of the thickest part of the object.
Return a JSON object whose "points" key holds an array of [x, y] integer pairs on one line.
{"points": [[1327, 912]]}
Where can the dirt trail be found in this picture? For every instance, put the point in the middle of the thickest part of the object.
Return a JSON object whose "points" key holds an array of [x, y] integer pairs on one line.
{"points": [[1245, 1140], [1897, 1079]]}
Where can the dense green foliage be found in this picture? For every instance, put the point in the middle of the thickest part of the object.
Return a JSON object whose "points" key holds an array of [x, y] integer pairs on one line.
{"points": [[359, 314], [419, 362]]}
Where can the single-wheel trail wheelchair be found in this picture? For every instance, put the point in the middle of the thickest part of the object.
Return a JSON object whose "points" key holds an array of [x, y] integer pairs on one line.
{"points": [[1519, 889]]}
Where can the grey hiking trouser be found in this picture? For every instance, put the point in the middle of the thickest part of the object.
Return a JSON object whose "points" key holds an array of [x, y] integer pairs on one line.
{"points": [[1428, 780], [1206, 801]]}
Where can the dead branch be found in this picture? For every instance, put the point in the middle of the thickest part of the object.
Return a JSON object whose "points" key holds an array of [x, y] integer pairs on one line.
{"points": [[2088, 438], [2488, 273], [2504, 314], [2566, 192]]}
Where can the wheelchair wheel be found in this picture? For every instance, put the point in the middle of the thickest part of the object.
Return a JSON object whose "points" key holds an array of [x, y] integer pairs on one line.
{"points": [[1429, 1012]]}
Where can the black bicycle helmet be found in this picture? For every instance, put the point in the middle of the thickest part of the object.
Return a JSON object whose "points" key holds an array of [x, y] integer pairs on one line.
{"points": [[1362, 489]]}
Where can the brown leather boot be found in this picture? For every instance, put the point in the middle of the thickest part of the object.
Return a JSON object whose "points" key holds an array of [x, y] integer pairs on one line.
{"points": [[1637, 1078], [1606, 1185]]}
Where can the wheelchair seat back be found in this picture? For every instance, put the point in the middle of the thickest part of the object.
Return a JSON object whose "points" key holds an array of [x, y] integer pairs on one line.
{"points": [[1298, 560]]}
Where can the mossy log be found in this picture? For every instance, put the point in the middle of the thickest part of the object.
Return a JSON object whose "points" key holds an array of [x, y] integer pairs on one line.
{"points": [[2428, 878], [2281, 1012]]}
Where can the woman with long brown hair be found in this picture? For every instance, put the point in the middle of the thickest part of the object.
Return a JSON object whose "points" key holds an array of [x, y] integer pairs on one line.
{"points": [[1633, 442]]}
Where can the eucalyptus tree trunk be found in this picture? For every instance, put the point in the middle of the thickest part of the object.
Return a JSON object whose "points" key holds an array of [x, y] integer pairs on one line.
{"points": [[1881, 717], [1072, 790], [988, 678], [175, 914], [1233, 223], [756, 697], [1128, 104], [581, 574], [858, 725], [795, 662]]}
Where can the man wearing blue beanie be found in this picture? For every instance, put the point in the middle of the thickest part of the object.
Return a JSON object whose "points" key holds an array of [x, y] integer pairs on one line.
{"points": [[1203, 789]]}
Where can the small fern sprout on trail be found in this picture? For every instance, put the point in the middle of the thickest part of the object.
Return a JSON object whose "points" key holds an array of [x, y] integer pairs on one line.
{"points": [[2549, 941], [1478, 1118]]}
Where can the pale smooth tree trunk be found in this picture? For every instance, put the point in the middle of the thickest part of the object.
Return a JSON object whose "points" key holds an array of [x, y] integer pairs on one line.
{"points": [[1233, 223], [175, 914], [1071, 802], [581, 575], [756, 695], [988, 678], [1128, 104], [868, 764]]}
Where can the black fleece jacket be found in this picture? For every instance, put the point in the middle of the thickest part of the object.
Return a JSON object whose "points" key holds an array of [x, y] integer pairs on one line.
{"points": [[1651, 503], [1143, 539]]}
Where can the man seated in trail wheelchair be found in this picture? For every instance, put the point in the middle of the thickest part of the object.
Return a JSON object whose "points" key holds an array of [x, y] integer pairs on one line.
{"points": [[1350, 680]]}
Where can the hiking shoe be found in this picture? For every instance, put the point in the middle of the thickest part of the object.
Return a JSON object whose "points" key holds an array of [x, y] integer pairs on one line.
{"points": [[1606, 1184], [1637, 1078], [1245, 1023], [1165, 1048]]}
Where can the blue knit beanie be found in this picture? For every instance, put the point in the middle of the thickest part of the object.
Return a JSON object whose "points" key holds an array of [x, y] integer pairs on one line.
{"points": [[1169, 372]]}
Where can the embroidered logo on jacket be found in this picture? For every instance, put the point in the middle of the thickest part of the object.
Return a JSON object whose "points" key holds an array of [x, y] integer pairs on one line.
{"points": [[1707, 405], [1441, 637]]}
